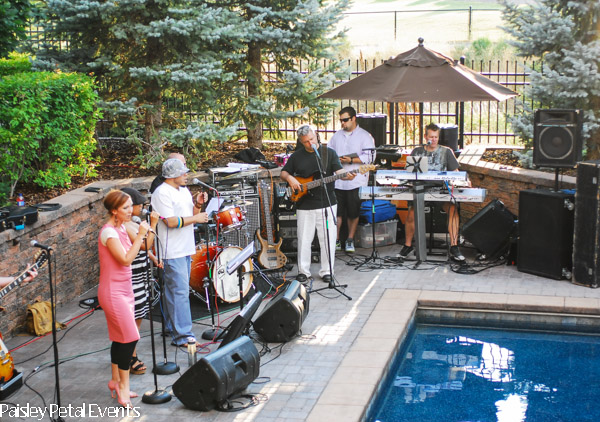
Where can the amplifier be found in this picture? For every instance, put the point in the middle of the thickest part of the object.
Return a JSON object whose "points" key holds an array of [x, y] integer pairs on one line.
{"points": [[288, 231], [243, 236], [236, 190]]}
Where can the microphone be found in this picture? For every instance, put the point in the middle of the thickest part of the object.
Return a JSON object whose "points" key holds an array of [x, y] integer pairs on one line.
{"points": [[196, 181], [37, 244], [316, 148], [138, 220], [428, 142], [369, 149]]}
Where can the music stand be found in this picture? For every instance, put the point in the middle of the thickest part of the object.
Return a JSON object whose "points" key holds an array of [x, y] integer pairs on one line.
{"points": [[237, 263], [417, 165]]}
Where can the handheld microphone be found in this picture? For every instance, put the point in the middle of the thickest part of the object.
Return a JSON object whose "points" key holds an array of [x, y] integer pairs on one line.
{"points": [[37, 244], [138, 220], [196, 181], [316, 148], [428, 142]]}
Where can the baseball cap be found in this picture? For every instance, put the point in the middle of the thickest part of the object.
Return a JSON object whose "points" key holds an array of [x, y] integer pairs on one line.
{"points": [[173, 168], [136, 196]]}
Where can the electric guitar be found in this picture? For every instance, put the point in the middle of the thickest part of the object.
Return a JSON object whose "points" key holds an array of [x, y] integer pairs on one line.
{"points": [[40, 260], [270, 257], [6, 363], [308, 183]]}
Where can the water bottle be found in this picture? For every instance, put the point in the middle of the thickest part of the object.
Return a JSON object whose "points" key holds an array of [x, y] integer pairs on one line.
{"points": [[20, 203]]}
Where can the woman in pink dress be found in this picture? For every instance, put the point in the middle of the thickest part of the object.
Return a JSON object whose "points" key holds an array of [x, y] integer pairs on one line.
{"points": [[115, 294]]}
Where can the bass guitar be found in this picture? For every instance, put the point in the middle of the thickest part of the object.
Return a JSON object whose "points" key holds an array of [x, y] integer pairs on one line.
{"points": [[308, 183], [270, 257], [40, 260]]}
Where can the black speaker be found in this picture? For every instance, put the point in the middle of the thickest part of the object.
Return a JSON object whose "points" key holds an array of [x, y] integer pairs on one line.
{"points": [[219, 375], [449, 136], [586, 240], [375, 124], [557, 140], [490, 229], [545, 233], [283, 316]]}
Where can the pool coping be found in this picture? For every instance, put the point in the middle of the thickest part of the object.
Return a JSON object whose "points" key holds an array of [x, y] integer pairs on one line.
{"points": [[357, 379]]}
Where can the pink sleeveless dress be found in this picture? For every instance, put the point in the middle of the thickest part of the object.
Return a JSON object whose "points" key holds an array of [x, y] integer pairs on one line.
{"points": [[115, 293]]}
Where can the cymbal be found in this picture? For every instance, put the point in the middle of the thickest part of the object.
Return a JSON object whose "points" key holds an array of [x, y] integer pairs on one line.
{"points": [[242, 202]]}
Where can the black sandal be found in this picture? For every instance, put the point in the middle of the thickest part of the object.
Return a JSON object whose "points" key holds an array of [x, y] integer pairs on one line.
{"points": [[137, 367]]}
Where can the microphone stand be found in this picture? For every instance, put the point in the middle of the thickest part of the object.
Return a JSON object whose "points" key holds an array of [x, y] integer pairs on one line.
{"points": [[166, 367], [374, 255], [54, 342], [209, 290], [157, 396], [329, 207]]}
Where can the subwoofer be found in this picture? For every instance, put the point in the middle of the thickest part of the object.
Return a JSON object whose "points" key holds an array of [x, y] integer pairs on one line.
{"points": [[557, 140], [283, 316], [586, 240], [546, 233], [219, 375], [490, 229]]}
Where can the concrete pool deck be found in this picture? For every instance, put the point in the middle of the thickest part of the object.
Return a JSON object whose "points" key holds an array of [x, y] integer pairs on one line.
{"points": [[329, 372]]}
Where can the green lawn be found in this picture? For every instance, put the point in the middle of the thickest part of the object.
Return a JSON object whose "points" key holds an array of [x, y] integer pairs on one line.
{"points": [[375, 34]]}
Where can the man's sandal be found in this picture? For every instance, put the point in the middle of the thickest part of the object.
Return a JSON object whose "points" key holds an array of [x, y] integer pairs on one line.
{"points": [[137, 367]]}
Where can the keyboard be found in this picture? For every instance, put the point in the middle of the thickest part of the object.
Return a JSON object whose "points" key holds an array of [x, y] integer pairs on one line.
{"points": [[432, 194]]}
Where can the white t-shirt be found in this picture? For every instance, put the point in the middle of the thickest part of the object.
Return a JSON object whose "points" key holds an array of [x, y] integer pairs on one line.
{"points": [[108, 233], [358, 141], [168, 201]]}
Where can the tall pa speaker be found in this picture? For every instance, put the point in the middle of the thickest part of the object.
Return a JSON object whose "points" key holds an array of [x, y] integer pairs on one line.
{"points": [[373, 123], [219, 375], [490, 229], [449, 136], [545, 233], [586, 240], [557, 140], [283, 316]]}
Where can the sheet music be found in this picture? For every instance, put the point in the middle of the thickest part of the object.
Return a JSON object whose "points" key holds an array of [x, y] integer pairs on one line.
{"points": [[214, 205]]}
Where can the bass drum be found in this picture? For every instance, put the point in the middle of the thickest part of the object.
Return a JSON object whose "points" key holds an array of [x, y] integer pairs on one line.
{"points": [[200, 268], [226, 285]]}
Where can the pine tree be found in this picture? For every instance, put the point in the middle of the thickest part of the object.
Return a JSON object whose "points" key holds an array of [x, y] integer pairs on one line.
{"points": [[565, 35], [282, 36], [13, 21], [214, 53], [144, 50]]}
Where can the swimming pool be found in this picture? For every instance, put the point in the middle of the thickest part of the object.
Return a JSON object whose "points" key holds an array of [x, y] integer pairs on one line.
{"points": [[474, 374]]}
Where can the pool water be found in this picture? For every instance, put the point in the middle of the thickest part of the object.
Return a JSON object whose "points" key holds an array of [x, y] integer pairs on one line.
{"points": [[452, 374]]}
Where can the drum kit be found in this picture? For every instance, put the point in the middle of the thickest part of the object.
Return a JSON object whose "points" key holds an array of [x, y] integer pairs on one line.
{"points": [[211, 257]]}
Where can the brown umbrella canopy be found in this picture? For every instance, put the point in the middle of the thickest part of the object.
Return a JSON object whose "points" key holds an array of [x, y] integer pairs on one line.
{"points": [[421, 75]]}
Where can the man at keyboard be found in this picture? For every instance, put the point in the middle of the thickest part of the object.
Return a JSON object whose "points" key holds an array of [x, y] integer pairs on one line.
{"points": [[440, 158]]}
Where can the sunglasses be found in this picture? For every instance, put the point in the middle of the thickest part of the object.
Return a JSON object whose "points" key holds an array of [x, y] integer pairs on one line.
{"points": [[346, 119]]}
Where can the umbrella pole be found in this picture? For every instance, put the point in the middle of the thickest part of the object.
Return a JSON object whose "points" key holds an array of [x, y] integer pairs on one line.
{"points": [[420, 123], [461, 117], [391, 113]]}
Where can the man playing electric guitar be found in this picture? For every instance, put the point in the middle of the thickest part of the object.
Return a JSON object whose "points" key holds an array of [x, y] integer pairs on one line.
{"points": [[313, 210], [32, 273]]}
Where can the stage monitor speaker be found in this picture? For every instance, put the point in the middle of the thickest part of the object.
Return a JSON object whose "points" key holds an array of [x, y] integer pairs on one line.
{"points": [[586, 240], [283, 316], [449, 136], [557, 140], [490, 229], [219, 375], [545, 233], [375, 124]]}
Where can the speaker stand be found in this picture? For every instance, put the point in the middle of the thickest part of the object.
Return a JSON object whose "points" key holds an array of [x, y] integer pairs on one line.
{"points": [[556, 175]]}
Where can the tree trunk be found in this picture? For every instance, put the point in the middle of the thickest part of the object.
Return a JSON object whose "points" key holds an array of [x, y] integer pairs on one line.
{"points": [[253, 123]]}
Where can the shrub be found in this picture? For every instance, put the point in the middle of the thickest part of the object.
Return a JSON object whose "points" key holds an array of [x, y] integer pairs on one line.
{"points": [[47, 123], [15, 63]]}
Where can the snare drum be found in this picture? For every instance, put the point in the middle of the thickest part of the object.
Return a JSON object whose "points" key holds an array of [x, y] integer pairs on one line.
{"points": [[230, 218], [200, 267], [226, 285]]}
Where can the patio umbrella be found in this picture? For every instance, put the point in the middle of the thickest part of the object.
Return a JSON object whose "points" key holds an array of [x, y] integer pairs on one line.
{"points": [[421, 75]]}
